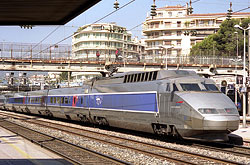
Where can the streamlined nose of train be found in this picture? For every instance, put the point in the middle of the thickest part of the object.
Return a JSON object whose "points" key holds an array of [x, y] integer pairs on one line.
{"points": [[230, 123], [207, 100], [217, 111]]}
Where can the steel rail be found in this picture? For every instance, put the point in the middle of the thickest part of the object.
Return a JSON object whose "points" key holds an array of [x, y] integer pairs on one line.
{"points": [[59, 127], [91, 153]]}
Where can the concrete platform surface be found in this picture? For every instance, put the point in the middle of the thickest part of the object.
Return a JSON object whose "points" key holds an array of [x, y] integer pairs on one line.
{"points": [[243, 132], [15, 150], [240, 135]]}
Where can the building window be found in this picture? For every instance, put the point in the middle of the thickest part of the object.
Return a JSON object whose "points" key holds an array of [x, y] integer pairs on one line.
{"points": [[156, 34], [179, 14], [218, 22], [152, 25], [198, 41], [97, 27], [167, 24], [167, 33], [156, 25], [169, 14], [192, 23], [169, 51], [178, 52], [160, 14], [167, 42], [200, 23], [178, 42], [178, 33], [210, 22], [179, 24], [192, 42]]}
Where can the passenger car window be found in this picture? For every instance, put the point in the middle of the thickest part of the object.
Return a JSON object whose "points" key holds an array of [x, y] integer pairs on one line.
{"points": [[66, 100]]}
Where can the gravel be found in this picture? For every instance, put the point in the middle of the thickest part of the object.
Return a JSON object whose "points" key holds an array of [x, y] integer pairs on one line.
{"points": [[126, 154]]}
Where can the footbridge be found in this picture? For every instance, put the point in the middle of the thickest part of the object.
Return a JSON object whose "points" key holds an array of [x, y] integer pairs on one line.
{"points": [[202, 65]]}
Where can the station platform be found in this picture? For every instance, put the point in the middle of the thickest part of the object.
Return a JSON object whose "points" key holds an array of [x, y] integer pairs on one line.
{"points": [[242, 134], [15, 150]]}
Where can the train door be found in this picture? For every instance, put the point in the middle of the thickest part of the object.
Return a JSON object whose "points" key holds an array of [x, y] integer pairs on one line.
{"points": [[164, 93], [167, 101], [43, 101], [173, 105], [74, 101]]}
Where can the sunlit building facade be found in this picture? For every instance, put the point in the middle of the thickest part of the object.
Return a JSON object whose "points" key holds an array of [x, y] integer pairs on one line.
{"points": [[174, 30], [103, 40]]}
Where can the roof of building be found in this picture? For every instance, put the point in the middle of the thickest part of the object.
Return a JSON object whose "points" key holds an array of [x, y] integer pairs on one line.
{"points": [[171, 7], [45, 12], [167, 7], [220, 14]]}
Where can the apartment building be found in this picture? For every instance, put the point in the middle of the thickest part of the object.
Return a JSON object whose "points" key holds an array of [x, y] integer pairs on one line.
{"points": [[105, 40], [174, 30]]}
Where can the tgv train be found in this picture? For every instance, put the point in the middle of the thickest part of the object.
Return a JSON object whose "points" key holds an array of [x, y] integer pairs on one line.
{"points": [[167, 102]]}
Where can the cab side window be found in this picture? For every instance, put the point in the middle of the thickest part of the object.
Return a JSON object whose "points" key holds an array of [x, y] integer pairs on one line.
{"points": [[175, 88], [168, 87]]}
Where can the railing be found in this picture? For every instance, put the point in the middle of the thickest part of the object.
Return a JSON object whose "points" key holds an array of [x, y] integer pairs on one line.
{"points": [[63, 52], [143, 59]]}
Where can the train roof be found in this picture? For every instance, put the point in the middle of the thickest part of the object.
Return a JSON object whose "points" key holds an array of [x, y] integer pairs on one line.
{"points": [[143, 76], [160, 73], [175, 74]]}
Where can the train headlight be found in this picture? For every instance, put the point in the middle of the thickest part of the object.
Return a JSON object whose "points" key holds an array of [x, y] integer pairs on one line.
{"points": [[231, 111], [208, 111]]}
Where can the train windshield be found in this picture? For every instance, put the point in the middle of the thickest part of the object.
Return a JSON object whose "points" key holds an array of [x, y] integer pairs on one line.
{"points": [[198, 87], [190, 87], [210, 87]]}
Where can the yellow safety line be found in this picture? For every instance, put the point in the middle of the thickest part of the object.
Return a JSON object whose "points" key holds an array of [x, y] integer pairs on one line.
{"points": [[23, 153]]}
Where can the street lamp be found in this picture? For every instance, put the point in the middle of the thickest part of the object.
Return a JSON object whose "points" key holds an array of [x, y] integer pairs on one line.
{"points": [[235, 94], [166, 58], [166, 54], [244, 75]]}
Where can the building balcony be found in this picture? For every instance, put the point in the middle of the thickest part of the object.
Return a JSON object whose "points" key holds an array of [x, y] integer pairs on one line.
{"points": [[159, 47], [94, 48], [149, 29], [160, 38], [175, 27]]}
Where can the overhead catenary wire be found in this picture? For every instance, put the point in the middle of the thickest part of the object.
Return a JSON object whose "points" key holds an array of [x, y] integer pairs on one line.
{"points": [[45, 38], [195, 2], [89, 25], [143, 22], [234, 12]]}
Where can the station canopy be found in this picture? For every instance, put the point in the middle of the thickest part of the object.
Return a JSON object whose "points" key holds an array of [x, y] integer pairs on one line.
{"points": [[41, 12]]}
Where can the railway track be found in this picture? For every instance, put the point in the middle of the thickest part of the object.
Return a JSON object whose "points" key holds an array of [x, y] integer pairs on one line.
{"points": [[71, 152], [226, 148], [160, 152], [246, 143]]}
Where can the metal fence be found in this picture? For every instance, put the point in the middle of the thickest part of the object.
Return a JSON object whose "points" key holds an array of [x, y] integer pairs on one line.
{"points": [[63, 52]]}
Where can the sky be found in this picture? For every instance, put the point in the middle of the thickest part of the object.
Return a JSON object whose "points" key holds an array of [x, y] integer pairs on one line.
{"points": [[130, 16]]}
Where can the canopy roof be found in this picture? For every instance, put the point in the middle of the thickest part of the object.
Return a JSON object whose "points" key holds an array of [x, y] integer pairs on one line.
{"points": [[41, 12]]}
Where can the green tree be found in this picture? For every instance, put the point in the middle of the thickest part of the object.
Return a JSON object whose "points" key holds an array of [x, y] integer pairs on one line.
{"points": [[64, 76], [224, 42]]}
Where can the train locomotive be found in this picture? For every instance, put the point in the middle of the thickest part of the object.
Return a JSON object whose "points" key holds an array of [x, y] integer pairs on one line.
{"points": [[164, 102]]}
